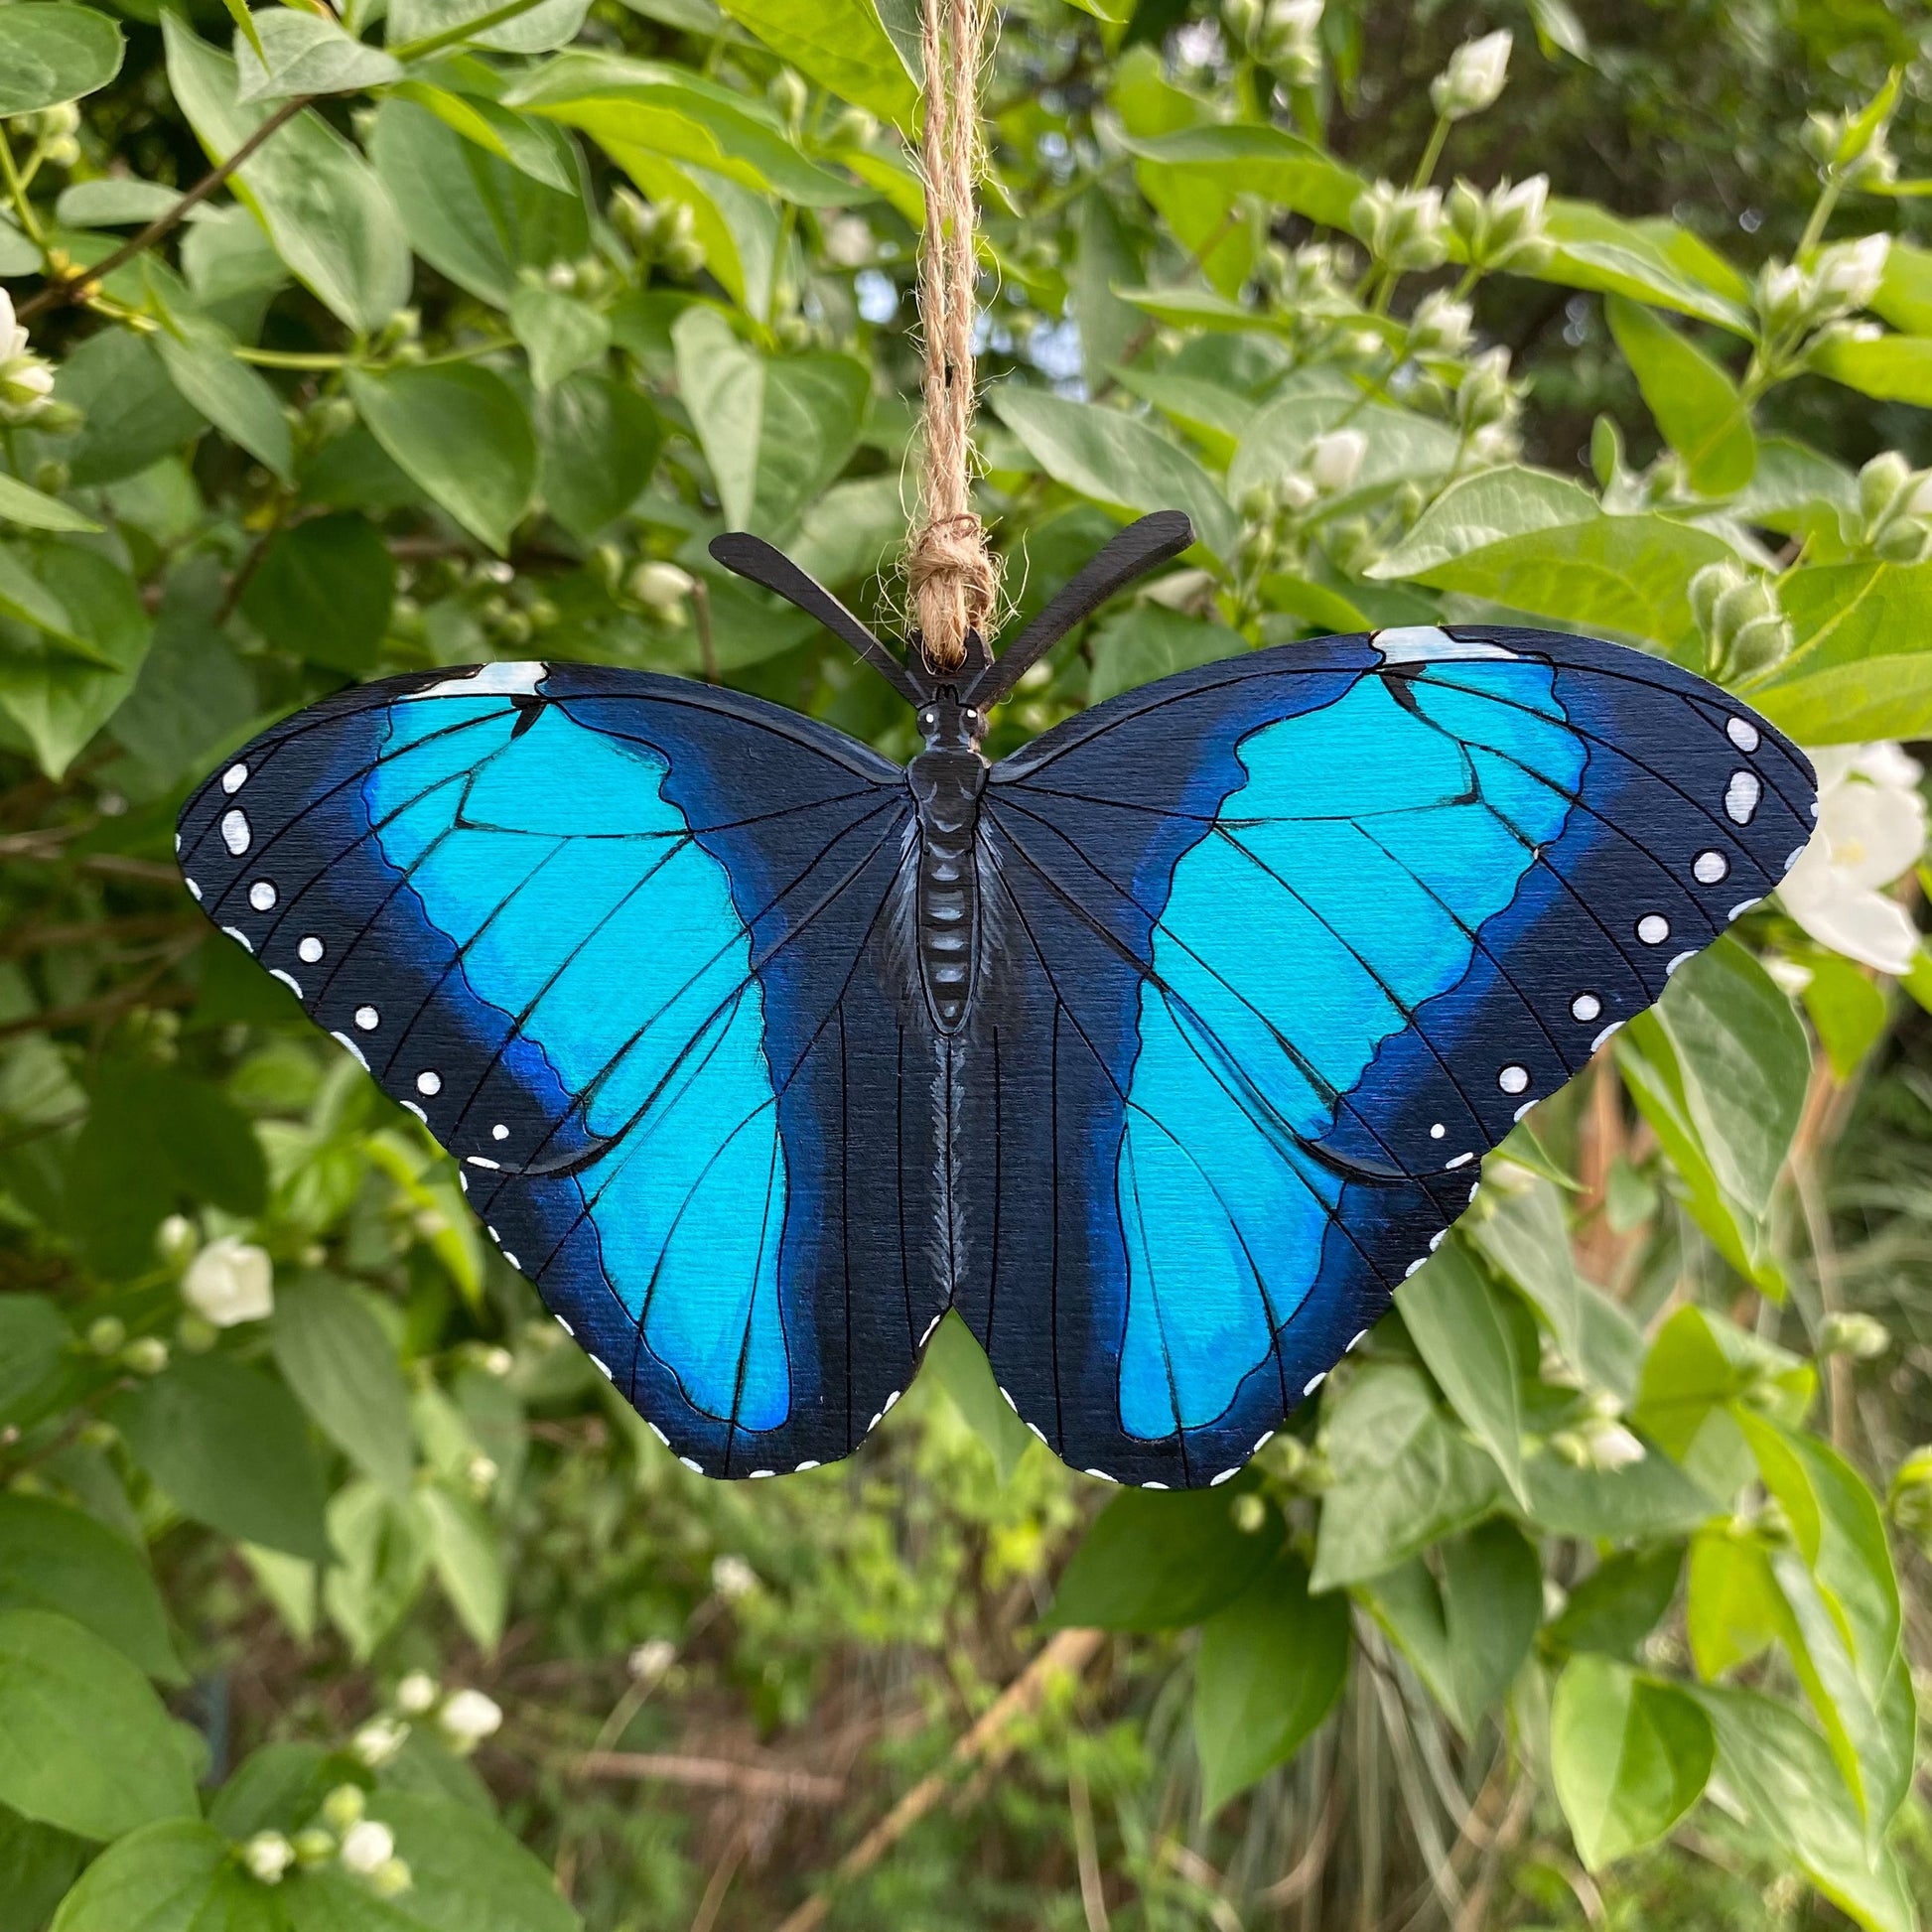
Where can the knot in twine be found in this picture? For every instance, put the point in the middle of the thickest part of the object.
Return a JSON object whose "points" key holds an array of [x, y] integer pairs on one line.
{"points": [[953, 577], [954, 580]]}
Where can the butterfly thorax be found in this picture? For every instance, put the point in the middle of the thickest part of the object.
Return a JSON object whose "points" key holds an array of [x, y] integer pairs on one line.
{"points": [[946, 781]]}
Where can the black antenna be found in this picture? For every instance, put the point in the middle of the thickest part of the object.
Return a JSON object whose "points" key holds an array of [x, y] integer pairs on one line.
{"points": [[1135, 551], [752, 557]]}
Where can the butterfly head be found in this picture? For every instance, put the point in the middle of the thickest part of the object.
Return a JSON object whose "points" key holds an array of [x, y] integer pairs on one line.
{"points": [[947, 725]]}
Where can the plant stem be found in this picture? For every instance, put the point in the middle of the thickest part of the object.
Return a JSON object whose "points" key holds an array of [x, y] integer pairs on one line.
{"points": [[288, 358], [17, 191], [1821, 213], [1433, 153], [75, 287]]}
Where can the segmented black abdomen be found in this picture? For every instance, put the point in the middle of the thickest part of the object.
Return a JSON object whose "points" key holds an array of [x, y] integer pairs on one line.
{"points": [[946, 786]]}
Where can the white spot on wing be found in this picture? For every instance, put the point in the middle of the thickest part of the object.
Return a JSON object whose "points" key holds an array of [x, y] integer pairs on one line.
{"points": [[1739, 911], [482, 1161], [195, 892], [353, 1047], [501, 1133], [1314, 1382], [368, 1019], [429, 1083], [410, 1107], [1102, 1474], [1412, 643], [289, 980], [1682, 959], [1214, 1482], [1740, 797], [1461, 1160], [1615, 1025], [234, 831], [309, 950], [1741, 733], [1438, 1131], [1653, 929], [1585, 1006], [603, 1367], [1514, 1079], [1711, 868], [233, 779], [261, 896], [239, 937]]}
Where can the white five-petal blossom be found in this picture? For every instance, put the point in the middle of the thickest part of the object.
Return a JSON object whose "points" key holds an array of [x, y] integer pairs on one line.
{"points": [[230, 1281], [1870, 829]]}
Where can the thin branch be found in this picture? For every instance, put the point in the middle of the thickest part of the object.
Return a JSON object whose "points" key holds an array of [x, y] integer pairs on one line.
{"points": [[76, 287], [784, 1785]]}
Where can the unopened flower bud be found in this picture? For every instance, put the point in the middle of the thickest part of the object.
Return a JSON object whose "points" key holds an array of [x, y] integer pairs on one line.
{"points": [[1850, 273], [789, 94], [1474, 78], [106, 1334], [1738, 611], [343, 1807], [467, 1717], [1486, 395], [1286, 41], [1248, 1513], [267, 1856], [367, 1844], [314, 1846], [416, 1695], [733, 1577], [391, 1878], [230, 1281], [1852, 1332], [855, 127], [1243, 18], [651, 1659], [1403, 227], [661, 586], [1336, 460], [176, 1239], [145, 1355], [379, 1740], [1441, 325]]}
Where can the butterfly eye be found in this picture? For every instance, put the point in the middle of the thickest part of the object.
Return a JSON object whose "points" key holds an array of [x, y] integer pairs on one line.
{"points": [[972, 715], [926, 719]]}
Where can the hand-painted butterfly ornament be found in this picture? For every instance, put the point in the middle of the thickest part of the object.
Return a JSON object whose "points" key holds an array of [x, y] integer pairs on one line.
{"points": [[1161, 1050]]}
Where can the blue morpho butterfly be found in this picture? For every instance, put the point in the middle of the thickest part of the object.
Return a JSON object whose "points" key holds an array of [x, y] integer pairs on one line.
{"points": [[1161, 1050]]}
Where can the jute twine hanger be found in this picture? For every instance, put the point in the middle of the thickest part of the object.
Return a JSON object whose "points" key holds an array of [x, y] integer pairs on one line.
{"points": [[954, 579]]}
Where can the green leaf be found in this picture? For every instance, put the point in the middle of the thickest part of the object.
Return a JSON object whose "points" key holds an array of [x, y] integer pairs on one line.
{"points": [[230, 1450], [1619, 1603], [1454, 1316], [1847, 1007], [466, 1551], [1146, 641], [1696, 404], [471, 1875], [538, 29], [841, 45], [41, 1863], [1781, 1771], [597, 444], [960, 1366], [472, 216], [333, 1353], [1270, 1668], [277, 1787], [293, 52], [59, 701], [1518, 1225], [559, 334], [1904, 295], [84, 1742], [34, 512], [180, 1876], [1628, 574], [331, 219], [1893, 368], [382, 1541], [1631, 1756], [736, 227], [1403, 1476], [323, 590], [54, 53], [1468, 1635], [198, 356], [34, 1343], [1251, 158], [52, 1558], [1155, 1562], [774, 430], [540, 148], [1483, 509], [633, 109], [1647, 1499], [1860, 664], [1402, 446], [1656, 262], [134, 413], [1732, 1610], [1116, 460], [462, 435]]}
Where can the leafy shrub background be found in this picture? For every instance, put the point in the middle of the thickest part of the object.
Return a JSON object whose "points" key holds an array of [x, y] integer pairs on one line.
{"points": [[335, 1591]]}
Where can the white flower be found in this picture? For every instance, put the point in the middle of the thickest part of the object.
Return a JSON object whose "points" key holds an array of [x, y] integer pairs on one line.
{"points": [[1850, 272], [467, 1717], [379, 1740], [1336, 460], [1474, 75], [267, 1856], [651, 1659], [660, 585], [1870, 829], [733, 1577], [230, 1281], [1441, 325], [1612, 1446], [848, 243], [366, 1844], [177, 1238], [25, 381], [416, 1694]]}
